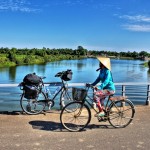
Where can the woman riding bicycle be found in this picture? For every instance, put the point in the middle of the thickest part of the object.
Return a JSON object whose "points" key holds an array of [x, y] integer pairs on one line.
{"points": [[106, 87]]}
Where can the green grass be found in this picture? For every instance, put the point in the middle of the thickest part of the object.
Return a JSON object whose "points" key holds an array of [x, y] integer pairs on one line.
{"points": [[31, 59]]}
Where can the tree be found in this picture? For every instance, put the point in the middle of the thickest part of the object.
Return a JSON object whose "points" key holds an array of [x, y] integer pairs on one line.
{"points": [[12, 56], [81, 50], [143, 54]]}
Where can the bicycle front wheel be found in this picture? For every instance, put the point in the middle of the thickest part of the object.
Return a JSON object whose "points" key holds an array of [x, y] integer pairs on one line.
{"points": [[77, 118], [33, 106], [121, 113]]}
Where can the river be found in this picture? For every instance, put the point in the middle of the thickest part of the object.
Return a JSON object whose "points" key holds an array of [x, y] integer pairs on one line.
{"points": [[84, 71]]}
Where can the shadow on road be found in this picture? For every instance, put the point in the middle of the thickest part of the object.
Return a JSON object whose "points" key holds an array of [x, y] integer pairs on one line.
{"points": [[11, 113], [46, 125], [57, 127]]}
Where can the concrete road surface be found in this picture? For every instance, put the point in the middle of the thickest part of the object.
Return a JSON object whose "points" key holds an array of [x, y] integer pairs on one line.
{"points": [[44, 132]]}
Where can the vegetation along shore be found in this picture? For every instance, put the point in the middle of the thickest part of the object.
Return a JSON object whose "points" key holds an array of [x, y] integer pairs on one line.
{"points": [[14, 56]]}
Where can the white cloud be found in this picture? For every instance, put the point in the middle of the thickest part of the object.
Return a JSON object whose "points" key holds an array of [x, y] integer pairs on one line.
{"points": [[137, 23], [140, 28], [16, 5], [137, 18]]}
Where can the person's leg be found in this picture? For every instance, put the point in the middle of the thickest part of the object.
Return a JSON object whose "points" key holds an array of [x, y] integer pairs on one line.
{"points": [[98, 103], [100, 97], [102, 102]]}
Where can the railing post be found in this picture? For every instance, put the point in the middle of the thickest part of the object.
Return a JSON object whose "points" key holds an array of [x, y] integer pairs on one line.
{"points": [[123, 90], [123, 94], [148, 95]]}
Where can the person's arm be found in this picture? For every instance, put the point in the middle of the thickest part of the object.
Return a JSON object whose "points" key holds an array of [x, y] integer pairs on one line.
{"points": [[96, 81]]}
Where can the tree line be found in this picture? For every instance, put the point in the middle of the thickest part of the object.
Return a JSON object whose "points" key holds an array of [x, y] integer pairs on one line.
{"points": [[79, 51], [14, 56]]}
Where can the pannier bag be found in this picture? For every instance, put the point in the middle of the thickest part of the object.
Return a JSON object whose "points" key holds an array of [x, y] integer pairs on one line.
{"points": [[30, 82], [30, 92], [67, 75], [31, 79]]}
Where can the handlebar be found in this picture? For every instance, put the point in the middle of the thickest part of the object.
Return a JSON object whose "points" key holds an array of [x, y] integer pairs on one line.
{"points": [[88, 85], [59, 74], [42, 77], [21, 85]]}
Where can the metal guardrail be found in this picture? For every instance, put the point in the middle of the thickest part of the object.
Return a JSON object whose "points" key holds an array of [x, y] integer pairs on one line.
{"points": [[134, 91], [138, 88]]}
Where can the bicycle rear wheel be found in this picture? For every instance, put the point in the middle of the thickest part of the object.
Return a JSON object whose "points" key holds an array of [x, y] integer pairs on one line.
{"points": [[121, 113], [33, 106], [77, 118]]}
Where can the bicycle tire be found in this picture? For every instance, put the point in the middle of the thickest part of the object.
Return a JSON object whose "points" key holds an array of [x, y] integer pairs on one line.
{"points": [[77, 118], [121, 113], [66, 97], [33, 106]]}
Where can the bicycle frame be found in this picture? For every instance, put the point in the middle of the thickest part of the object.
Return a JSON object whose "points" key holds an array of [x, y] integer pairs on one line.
{"points": [[91, 100], [106, 105], [63, 88]]}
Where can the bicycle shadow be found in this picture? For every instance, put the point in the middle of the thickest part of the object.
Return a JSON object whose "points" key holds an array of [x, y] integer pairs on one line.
{"points": [[99, 126], [57, 127], [46, 125], [11, 113]]}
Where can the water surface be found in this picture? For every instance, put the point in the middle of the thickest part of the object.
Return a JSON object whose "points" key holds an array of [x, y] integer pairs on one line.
{"points": [[84, 70]]}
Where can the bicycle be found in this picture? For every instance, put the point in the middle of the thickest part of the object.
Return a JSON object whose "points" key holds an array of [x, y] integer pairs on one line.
{"points": [[119, 110], [37, 104]]}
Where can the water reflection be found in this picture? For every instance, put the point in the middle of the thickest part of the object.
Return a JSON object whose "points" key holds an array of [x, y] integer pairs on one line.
{"points": [[12, 73], [148, 74], [84, 70]]}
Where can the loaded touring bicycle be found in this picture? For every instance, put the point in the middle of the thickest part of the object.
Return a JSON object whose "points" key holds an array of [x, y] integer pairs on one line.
{"points": [[36, 95]]}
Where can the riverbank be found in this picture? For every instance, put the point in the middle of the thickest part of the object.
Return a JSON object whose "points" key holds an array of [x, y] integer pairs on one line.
{"points": [[44, 132], [19, 60], [39, 60], [23, 56]]}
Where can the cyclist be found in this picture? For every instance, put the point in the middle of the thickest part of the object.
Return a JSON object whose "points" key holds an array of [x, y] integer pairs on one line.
{"points": [[106, 87]]}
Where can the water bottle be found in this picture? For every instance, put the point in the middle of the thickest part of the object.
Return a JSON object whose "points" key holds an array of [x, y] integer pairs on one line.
{"points": [[48, 93]]}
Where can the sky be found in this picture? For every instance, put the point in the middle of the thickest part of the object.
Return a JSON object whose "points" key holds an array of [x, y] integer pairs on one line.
{"points": [[112, 25]]}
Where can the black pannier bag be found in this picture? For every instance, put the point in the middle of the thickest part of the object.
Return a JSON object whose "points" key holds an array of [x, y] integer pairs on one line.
{"points": [[31, 79], [67, 75], [30, 92], [31, 82]]}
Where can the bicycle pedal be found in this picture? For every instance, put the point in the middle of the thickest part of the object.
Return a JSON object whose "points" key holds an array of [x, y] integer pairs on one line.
{"points": [[104, 119], [50, 103]]}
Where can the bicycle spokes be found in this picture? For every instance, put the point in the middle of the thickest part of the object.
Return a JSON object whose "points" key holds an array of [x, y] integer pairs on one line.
{"points": [[121, 113], [77, 118]]}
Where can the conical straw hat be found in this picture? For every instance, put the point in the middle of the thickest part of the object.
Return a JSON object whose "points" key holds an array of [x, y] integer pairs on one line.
{"points": [[105, 61]]}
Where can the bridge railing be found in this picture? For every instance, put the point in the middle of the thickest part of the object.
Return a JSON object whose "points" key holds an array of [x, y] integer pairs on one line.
{"points": [[138, 93]]}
